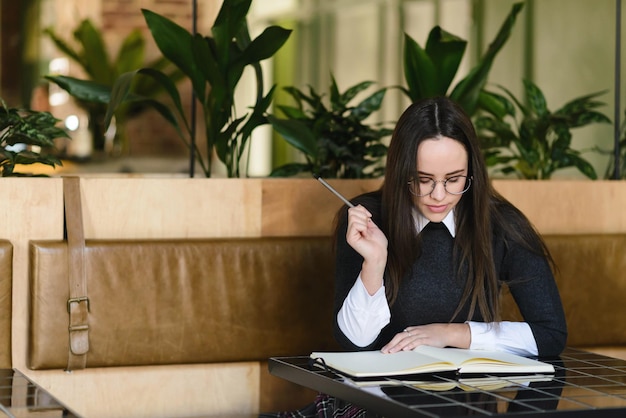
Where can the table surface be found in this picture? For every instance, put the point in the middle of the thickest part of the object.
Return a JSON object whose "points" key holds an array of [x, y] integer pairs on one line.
{"points": [[19, 397], [584, 384]]}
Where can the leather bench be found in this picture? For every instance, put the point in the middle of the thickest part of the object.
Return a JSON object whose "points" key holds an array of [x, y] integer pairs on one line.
{"points": [[157, 302], [247, 299]]}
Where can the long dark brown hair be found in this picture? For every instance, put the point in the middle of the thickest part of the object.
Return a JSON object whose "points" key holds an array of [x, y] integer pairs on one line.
{"points": [[476, 213]]}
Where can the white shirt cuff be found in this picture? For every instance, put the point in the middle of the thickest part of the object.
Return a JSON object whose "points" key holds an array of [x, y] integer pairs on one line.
{"points": [[512, 337], [362, 316]]}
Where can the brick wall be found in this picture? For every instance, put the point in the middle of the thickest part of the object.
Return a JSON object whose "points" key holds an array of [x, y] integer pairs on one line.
{"points": [[126, 14]]}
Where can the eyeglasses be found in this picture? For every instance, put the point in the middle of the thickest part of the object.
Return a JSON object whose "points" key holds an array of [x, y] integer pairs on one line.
{"points": [[424, 186]]}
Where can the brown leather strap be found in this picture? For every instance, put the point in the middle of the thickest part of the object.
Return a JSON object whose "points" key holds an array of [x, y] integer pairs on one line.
{"points": [[78, 302]]}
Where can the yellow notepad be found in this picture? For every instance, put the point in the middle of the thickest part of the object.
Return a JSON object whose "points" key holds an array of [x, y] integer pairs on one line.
{"points": [[426, 359]]}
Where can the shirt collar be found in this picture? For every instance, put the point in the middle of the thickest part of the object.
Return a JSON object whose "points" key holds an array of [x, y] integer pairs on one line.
{"points": [[421, 221]]}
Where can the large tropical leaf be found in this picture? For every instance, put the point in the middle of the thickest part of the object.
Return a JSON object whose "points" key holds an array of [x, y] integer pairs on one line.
{"points": [[175, 43], [230, 19], [94, 54], [122, 87], [495, 104], [131, 54], [467, 91], [419, 71], [63, 46], [297, 134], [265, 45], [82, 89], [446, 52]]}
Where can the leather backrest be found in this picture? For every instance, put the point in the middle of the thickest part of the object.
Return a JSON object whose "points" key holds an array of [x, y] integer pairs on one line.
{"points": [[186, 301], [591, 277], [6, 280], [192, 301]]}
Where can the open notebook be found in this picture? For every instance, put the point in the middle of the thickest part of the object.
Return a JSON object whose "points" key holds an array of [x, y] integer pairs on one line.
{"points": [[426, 359]]}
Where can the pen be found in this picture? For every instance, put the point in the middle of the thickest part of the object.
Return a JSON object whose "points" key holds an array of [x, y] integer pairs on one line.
{"points": [[335, 192]]}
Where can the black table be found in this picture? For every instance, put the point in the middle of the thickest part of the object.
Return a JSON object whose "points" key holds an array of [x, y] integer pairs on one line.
{"points": [[584, 385], [19, 397]]}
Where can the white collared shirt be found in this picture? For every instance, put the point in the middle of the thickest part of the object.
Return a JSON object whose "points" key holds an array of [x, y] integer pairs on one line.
{"points": [[362, 317]]}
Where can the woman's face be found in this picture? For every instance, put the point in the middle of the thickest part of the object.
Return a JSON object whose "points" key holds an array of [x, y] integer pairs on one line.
{"points": [[440, 159]]}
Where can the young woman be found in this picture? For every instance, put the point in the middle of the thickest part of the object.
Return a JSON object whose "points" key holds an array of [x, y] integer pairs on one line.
{"points": [[422, 260]]}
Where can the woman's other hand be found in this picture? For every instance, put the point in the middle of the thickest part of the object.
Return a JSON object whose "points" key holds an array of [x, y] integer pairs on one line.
{"points": [[436, 335]]}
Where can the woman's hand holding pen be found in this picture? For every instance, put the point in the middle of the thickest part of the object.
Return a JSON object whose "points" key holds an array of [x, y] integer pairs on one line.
{"points": [[369, 241]]}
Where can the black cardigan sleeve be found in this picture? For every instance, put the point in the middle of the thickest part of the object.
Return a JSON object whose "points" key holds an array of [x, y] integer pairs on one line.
{"points": [[531, 282]]}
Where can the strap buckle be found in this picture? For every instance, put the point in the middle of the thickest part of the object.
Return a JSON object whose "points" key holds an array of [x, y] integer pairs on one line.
{"points": [[79, 299]]}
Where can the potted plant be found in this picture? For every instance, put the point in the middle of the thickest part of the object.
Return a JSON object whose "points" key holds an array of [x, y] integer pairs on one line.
{"points": [[214, 65], [539, 143], [430, 71], [326, 135], [94, 93], [334, 138], [27, 137]]}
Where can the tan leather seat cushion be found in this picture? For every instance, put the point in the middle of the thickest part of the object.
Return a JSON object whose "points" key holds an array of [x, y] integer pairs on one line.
{"points": [[6, 280], [591, 276], [186, 301]]}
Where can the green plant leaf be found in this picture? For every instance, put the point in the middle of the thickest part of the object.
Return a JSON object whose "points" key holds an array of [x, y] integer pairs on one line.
{"points": [[265, 45], [292, 112], [297, 95], [204, 56], [467, 91], [351, 93], [345, 146], [121, 90], [290, 170], [175, 43], [31, 128], [522, 107], [378, 150], [503, 135], [535, 98], [34, 158], [63, 46], [314, 100], [258, 118], [95, 57], [369, 105], [582, 103], [131, 54], [297, 134], [495, 104], [578, 112], [335, 95], [230, 19], [584, 167], [83, 89], [446, 52], [226, 143], [419, 71]]}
